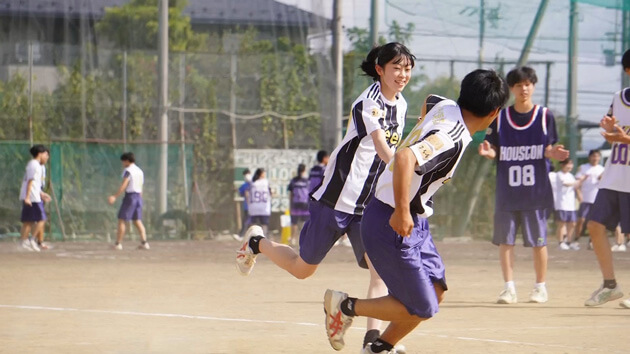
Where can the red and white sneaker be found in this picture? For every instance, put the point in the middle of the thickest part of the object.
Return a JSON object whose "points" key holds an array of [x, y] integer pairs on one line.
{"points": [[336, 321], [245, 257]]}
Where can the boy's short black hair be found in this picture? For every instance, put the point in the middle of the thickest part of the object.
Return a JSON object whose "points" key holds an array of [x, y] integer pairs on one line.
{"points": [[128, 156], [246, 171], [521, 74], [594, 151], [38, 149], [483, 91], [321, 154], [625, 60]]}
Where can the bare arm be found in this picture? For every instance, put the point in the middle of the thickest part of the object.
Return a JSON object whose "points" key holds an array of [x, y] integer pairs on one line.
{"points": [[404, 164], [556, 152], [27, 198], [382, 149], [123, 186]]}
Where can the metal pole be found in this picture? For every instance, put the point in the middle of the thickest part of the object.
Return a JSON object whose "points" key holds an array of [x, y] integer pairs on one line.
{"points": [[572, 80], [163, 105], [124, 102], [625, 42], [482, 29], [30, 92], [182, 130], [522, 60], [373, 22], [233, 68], [83, 73], [335, 136], [547, 83]]}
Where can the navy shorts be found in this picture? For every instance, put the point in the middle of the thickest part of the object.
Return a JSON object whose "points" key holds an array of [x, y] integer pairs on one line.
{"points": [[131, 208], [585, 209], [612, 208], [532, 222], [324, 227], [258, 220], [566, 215], [33, 213], [409, 266]]}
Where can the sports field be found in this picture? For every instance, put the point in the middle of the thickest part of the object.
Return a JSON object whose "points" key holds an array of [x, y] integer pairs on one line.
{"points": [[186, 297]]}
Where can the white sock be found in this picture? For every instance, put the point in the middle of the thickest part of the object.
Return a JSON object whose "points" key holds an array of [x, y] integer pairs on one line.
{"points": [[540, 285], [509, 285]]}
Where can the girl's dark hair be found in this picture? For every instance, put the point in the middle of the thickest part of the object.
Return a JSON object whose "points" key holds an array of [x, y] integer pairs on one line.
{"points": [[301, 168], [521, 74], [483, 91], [382, 55], [257, 174], [128, 156], [625, 60]]}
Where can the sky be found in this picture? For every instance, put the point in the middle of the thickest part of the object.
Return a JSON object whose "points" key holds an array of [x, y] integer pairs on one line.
{"points": [[449, 30]]}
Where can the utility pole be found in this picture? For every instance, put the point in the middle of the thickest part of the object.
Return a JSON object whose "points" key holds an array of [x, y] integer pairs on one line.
{"points": [[374, 23], [572, 80], [533, 31], [163, 105], [333, 136], [482, 29]]}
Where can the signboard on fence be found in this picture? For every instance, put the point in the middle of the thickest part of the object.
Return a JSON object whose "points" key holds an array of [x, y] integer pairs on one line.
{"points": [[280, 165]]}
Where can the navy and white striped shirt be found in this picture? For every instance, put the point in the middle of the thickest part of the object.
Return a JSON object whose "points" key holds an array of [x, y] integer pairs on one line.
{"points": [[354, 166]]}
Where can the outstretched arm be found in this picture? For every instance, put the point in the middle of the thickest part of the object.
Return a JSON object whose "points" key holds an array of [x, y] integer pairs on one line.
{"points": [[556, 152], [382, 149]]}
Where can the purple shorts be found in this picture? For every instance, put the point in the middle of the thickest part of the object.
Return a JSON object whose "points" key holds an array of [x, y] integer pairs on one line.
{"points": [[533, 223], [33, 213], [566, 215], [585, 209], [409, 266], [612, 208], [324, 227], [131, 208], [258, 220], [298, 219]]}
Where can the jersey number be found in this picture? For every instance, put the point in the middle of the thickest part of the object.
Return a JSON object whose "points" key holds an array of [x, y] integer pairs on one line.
{"points": [[259, 197], [619, 154], [521, 176]]}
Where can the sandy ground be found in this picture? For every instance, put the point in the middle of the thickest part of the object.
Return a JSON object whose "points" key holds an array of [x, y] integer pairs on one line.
{"points": [[186, 297]]}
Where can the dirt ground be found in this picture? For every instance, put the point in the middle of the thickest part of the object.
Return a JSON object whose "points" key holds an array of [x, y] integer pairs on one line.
{"points": [[186, 297]]}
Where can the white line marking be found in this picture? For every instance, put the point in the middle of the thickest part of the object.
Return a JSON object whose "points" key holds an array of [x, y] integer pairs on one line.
{"points": [[212, 318]]}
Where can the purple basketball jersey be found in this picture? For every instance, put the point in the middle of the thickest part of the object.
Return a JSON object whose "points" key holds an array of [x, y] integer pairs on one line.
{"points": [[522, 179]]}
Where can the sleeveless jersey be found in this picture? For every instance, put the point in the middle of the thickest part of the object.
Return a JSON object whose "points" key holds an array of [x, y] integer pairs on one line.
{"points": [[522, 176], [300, 192], [259, 203], [617, 167]]}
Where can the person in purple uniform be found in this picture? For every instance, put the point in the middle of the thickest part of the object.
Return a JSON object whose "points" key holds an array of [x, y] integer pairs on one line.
{"points": [[521, 140], [131, 208], [395, 230], [316, 175], [299, 196]]}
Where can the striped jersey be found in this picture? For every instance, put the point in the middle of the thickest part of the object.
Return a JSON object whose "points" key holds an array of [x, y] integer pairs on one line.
{"points": [[438, 143], [354, 166], [522, 173], [617, 167]]}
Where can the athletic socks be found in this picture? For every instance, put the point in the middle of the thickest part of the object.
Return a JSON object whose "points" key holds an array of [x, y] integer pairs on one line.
{"points": [[254, 243], [347, 306], [509, 285], [610, 284], [371, 336], [539, 285], [381, 346]]}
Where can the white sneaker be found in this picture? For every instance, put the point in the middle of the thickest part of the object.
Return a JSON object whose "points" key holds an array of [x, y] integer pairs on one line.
{"points": [[26, 245], [603, 295], [34, 245], [538, 295], [398, 349], [336, 321], [507, 296], [118, 247], [245, 257], [590, 245], [625, 303], [575, 246], [144, 246], [564, 246], [622, 248], [615, 248]]}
